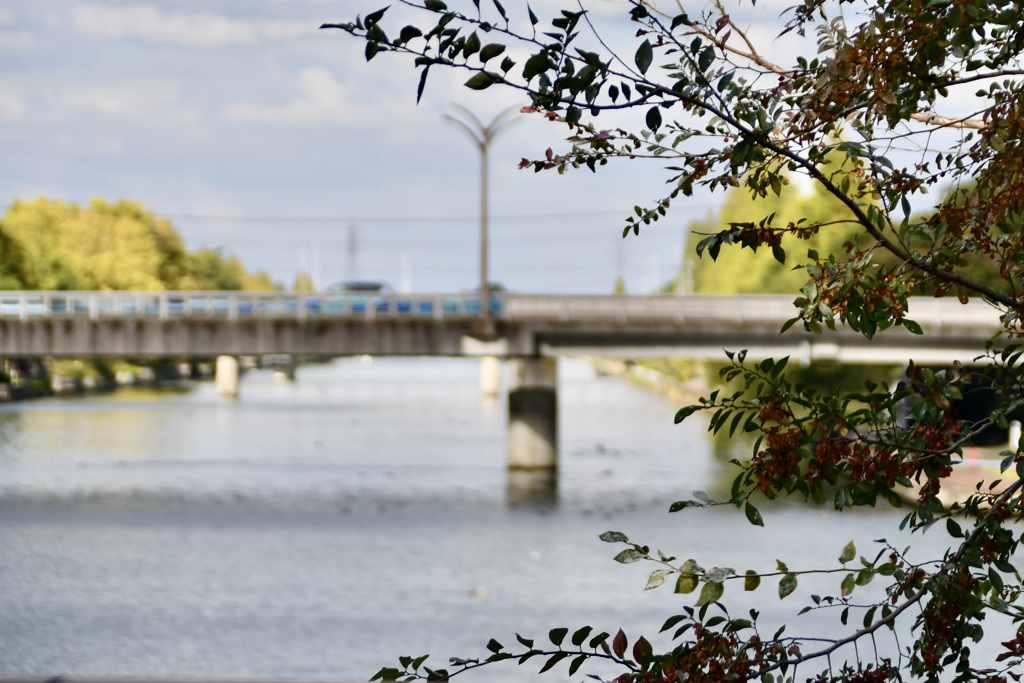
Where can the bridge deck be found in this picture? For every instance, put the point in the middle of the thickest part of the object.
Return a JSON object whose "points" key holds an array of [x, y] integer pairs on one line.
{"points": [[239, 323]]}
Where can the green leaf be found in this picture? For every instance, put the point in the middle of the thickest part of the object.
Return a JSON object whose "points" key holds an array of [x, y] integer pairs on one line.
{"points": [[864, 577], [787, 585], [672, 621], [472, 45], [435, 5], [537, 64], [629, 555], [481, 81], [575, 665], [686, 412], [501, 10], [408, 33], [953, 528], [422, 84], [779, 253], [374, 17], [752, 581], [710, 593], [996, 579], [686, 583], [644, 56], [654, 118], [533, 17], [847, 585], [911, 326], [493, 645], [849, 552], [580, 635], [614, 537], [554, 659], [753, 516], [707, 57], [490, 51], [557, 635], [656, 578]]}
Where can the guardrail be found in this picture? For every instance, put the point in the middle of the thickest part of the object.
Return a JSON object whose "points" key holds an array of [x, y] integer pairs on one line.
{"points": [[236, 305], [737, 309]]}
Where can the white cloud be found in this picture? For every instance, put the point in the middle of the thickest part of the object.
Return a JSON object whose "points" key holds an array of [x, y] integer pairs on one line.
{"points": [[322, 100], [282, 30], [147, 23], [6, 16], [12, 103], [16, 40], [148, 101]]}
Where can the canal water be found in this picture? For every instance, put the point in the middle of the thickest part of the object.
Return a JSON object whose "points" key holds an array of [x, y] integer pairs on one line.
{"points": [[318, 529]]}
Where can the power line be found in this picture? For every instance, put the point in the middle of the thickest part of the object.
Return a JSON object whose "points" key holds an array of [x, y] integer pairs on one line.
{"points": [[403, 220]]}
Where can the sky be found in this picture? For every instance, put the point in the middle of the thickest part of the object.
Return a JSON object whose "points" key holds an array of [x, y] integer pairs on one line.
{"points": [[256, 132]]}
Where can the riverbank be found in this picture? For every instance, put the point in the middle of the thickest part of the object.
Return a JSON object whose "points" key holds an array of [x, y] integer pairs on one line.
{"points": [[683, 385], [27, 379]]}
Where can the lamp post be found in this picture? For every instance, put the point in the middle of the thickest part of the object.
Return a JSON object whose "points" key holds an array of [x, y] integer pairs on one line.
{"points": [[483, 136]]}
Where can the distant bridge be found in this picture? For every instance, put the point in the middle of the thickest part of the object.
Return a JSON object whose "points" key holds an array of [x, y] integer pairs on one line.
{"points": [[532, 330], [525, 326]]}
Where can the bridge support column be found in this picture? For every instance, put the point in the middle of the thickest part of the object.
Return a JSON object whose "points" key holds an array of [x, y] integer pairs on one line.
{"points": [[226, 377], [490, 376], [533, 415]]}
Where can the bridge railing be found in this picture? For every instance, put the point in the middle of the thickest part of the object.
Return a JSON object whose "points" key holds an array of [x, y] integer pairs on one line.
{"points": [[738, 310], [235, 305]]}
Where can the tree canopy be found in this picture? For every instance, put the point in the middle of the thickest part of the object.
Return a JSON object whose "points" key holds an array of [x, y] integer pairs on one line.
{"points": [[769, 271], [54, 245], [916, 95]]}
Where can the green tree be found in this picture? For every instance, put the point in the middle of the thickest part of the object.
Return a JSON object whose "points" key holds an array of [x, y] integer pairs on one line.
{"points": [[38, 227], [12, 263], [211, 270], [119, 246], [53, 245], [915, 94], [777, 267], [303, 282]]}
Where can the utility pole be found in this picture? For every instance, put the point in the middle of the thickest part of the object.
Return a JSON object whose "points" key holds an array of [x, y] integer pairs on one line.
{"points": [[483, 136], [352, 254]]}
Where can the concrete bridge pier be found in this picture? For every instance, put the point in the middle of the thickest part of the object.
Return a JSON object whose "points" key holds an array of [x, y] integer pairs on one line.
{"points": [[226, 376], [533, 415], [490, 376], [533, 432]]}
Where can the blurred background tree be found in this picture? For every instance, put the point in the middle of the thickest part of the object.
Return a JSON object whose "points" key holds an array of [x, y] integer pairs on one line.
{"points": [[54, 245]]}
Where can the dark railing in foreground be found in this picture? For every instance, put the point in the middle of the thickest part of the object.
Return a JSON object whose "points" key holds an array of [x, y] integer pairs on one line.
{"points": [[235, 305]]}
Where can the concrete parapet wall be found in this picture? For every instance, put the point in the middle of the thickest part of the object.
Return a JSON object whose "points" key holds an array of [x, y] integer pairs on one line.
{"points": [[527, 326]]}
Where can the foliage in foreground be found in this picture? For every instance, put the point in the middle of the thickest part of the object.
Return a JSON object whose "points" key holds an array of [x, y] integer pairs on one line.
{"points": [[912, 94]]}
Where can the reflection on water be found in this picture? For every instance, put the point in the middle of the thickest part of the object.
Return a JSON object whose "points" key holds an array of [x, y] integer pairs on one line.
{"points": [[319, 529]]}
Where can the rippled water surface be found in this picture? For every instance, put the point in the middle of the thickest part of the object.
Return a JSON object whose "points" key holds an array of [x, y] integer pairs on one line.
{"points": [[319, 529]]}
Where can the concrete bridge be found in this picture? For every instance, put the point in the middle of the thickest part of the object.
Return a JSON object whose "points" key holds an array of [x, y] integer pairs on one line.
{"points": [[532, 331], [81, 324]]}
